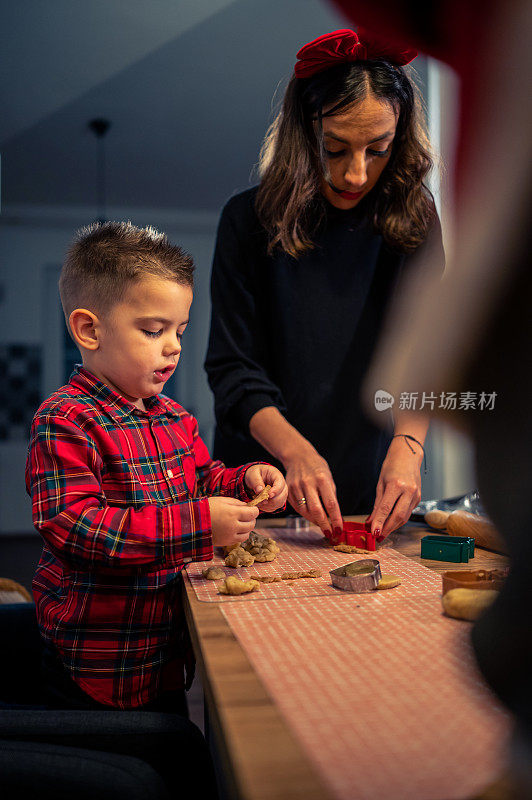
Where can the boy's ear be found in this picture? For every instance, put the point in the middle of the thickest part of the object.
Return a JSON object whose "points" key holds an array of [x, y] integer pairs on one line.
{"points": [[85, 328]]}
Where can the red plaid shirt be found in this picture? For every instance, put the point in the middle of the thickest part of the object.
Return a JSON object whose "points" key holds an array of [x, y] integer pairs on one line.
{"points": [[118, 495]]}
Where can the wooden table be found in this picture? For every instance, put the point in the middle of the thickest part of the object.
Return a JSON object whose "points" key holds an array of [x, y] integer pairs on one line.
{"points": [[260, 757]]}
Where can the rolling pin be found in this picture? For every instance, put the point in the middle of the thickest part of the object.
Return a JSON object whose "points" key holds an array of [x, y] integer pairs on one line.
{"points": [[462, 523]]}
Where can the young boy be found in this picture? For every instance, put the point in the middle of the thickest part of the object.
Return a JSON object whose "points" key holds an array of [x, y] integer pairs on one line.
{"points": [[123, 489]]}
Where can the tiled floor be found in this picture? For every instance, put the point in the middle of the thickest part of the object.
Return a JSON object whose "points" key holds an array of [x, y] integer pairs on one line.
{"points": [[19, 555]]}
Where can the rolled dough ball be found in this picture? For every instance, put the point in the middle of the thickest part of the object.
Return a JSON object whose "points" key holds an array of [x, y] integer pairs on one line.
{"points": [[467, 603]]}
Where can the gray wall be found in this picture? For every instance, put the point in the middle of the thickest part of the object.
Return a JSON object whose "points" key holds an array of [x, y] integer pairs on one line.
{"points": [[32, 254], [188, 89]]}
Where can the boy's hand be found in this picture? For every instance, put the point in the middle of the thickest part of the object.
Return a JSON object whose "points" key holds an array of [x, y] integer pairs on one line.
{"points": [[231, 520], [258, 476]]}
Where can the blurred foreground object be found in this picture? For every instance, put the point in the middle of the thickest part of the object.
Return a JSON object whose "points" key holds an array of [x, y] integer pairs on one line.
{"points": [[473, 330]]}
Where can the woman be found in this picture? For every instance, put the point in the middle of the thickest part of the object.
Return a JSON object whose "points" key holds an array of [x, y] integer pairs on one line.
{"points": [[304, 269]]}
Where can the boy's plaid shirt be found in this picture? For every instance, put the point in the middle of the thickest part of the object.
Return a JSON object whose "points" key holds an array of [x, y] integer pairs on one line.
{"points": [[119, 496]]}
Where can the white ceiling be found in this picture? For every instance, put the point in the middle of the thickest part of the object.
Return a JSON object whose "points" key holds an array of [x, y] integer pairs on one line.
{"points": [[187, 85]]}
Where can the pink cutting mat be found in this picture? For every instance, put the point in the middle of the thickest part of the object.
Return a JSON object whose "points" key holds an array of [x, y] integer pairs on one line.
{"points": [[386, 702], [302, 550]]}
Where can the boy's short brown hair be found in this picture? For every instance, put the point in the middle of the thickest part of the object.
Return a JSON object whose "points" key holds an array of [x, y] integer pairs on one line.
{"points": [[105, 258]]}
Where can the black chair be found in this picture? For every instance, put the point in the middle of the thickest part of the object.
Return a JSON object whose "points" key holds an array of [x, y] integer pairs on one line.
{"points": [[86, 754]]}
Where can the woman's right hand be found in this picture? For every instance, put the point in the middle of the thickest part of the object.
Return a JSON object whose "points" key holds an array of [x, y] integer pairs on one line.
{"points": [[308, 477]]}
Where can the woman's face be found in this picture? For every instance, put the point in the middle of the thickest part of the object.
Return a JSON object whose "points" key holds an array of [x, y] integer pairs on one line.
{"points": [[358, 145]]}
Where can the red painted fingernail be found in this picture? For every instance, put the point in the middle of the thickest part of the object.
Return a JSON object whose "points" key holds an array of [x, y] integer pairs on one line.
{"points": [[377, 531]]}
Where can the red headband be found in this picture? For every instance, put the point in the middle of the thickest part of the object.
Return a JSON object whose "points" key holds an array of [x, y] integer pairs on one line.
{"points": [[344, 45]]}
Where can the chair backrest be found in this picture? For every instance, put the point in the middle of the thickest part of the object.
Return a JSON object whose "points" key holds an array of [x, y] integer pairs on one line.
{"points": [[20, 654]]}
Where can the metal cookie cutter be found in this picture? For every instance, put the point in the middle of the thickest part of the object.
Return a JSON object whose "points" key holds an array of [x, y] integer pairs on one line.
{"points": [[359, 576]]}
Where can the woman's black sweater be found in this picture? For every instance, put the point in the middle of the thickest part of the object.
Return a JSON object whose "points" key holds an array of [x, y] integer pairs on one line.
{"points": [[299, 334]]}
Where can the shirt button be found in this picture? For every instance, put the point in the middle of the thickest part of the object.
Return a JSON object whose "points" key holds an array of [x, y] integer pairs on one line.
{"points": [[170, 473]]}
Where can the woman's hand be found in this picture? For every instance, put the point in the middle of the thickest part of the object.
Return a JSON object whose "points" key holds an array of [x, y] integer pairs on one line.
{"points": [[307, 474], [398, 488], [260, 475], [309, 478]]}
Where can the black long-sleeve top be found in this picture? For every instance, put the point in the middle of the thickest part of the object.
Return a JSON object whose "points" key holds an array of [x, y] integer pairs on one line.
{"points": [[299, 334]]}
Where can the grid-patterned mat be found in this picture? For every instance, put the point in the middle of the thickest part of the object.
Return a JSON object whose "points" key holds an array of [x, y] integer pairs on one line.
{"points": [[385, 701], [303, 550]]}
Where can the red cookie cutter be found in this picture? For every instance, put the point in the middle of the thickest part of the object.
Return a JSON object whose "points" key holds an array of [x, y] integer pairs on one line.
{"points": [[356, 534]]}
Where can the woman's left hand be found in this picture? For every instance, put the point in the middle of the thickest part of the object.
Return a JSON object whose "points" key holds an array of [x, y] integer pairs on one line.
{"points": [[260, 475], [398, 488]]}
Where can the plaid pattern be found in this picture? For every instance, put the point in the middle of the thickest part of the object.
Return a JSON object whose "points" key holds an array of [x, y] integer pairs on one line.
{"points": [[119, 496]]}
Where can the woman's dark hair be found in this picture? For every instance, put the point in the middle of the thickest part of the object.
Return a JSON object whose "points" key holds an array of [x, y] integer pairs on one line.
{"points": [[289, 203]]}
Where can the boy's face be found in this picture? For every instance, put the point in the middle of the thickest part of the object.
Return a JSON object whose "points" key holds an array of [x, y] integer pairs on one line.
{"points": [[139, 340]]}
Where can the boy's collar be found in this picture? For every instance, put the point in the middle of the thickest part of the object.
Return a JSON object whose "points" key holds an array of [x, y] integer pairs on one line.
{"points": [[115, 403]]}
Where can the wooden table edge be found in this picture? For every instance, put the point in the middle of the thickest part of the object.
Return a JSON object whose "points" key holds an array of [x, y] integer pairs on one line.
{"points": [[252, 771]]}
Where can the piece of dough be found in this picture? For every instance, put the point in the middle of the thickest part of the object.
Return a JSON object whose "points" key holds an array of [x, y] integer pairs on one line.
{"points": [[388, 582], [309, 573], [213, 573], [265, 555], [239, 558], [266, 578], [235, 586], [467, 603], [228, 547], [262, 548], [257, 546], [350, 548], [260, 497], [256, 540]]}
